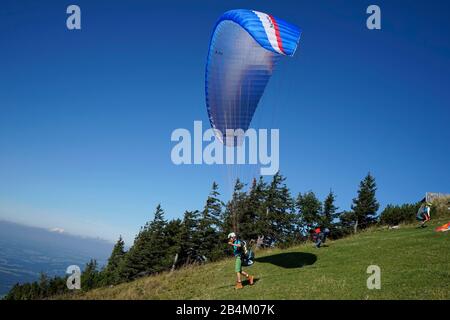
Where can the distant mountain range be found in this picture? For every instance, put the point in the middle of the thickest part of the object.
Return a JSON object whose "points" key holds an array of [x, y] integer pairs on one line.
{"points": [[26, 251]]}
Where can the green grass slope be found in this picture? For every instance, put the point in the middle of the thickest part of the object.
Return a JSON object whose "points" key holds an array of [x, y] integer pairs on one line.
{"points": [[415, 264]]}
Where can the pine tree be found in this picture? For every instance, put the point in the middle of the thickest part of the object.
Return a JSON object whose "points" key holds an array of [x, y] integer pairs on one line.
{"points": [[252, 221], [111, 272], [234, 208], [258, 202], [135, 260], [89, 276], [210, 226], [309, 210], [329, 210], [213, 208], [149, 251], [280, 210], [189, 237], [156, 247], [365, 206], [173, 238]]}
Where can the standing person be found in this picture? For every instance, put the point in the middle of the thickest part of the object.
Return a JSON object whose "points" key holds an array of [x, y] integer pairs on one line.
{"points": [[237, 251], [423, 215]]}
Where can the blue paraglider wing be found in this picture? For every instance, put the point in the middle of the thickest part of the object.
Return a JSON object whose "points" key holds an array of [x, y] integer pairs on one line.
{"points": [[244, 48]]}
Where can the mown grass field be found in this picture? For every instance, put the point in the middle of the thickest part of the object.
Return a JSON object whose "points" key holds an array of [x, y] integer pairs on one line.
{"points": [[415, 264]]}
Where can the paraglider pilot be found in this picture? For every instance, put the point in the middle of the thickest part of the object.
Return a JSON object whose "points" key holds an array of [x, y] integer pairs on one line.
{"points": [[423, 214], [237, 251]]}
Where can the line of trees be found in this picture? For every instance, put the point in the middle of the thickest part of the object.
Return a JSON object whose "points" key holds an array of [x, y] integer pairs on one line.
{"points": [[262, 209]]}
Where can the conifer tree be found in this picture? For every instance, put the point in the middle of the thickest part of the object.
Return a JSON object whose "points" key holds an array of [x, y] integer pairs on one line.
{"points": [[156, 248], [190, 237], [365, 205], [111, 271], [258, 202], [89, 276], [329, 210], [309, 209], [149, 251], [210, 226], [173, 238], [234, 209], [251, 223], [280, 210]]}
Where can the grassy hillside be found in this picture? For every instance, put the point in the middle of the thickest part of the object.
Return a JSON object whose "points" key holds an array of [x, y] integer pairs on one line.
{"points": [[415, 264]]}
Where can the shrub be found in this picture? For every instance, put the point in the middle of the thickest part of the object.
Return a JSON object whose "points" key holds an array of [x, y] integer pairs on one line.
{"points": [[394, 214], [440, 207]]}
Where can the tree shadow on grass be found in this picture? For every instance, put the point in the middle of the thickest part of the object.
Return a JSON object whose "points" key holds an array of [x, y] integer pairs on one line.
{"points": [[289, 260]]}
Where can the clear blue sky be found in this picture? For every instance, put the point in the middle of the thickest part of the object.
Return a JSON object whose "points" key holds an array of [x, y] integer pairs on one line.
{"points": [[86, 116]]}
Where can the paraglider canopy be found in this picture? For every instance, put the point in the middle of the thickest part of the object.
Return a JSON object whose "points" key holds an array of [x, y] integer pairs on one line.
{"points": [[443, 228], [244, 48]]}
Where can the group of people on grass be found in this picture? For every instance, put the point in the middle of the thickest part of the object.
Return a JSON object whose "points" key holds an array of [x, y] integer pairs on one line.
{"points": [[319, 237]]}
